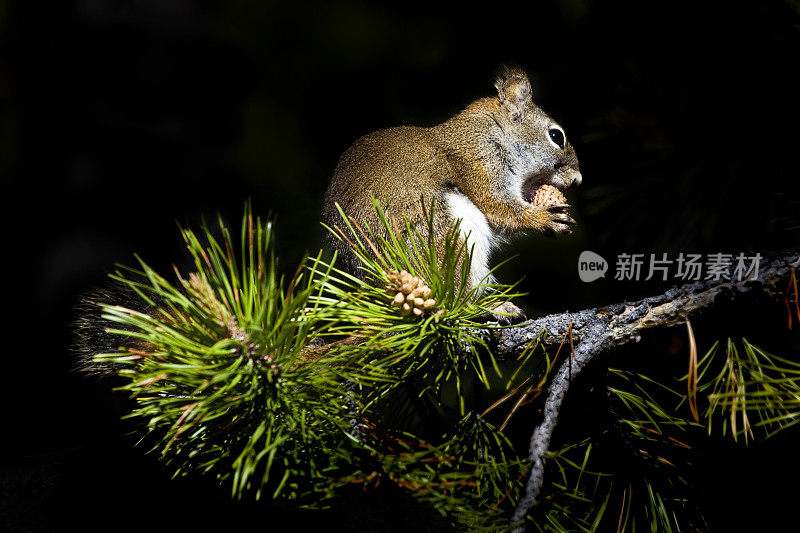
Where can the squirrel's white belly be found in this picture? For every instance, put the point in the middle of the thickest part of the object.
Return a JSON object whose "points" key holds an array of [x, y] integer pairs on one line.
{"points": [[475, 229]]}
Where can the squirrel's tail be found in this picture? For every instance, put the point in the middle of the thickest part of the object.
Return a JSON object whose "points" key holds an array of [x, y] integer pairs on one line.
{"points": [[92, 335]]}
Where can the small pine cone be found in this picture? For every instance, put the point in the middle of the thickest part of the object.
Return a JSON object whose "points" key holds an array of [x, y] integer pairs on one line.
{"points": [[548, 195], [410, 293]]}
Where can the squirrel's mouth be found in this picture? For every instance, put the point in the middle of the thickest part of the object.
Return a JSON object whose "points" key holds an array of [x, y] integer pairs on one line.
{"points": [[544, 189]]}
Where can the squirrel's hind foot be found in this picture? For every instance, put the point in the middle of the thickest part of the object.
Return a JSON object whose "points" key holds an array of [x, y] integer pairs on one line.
{"points": [[505, 314]]}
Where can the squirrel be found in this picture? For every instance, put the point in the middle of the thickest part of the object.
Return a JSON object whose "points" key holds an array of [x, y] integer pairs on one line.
{"points": [[483, 166]]}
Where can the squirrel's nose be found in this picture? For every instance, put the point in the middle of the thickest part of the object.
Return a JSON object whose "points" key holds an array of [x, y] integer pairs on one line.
{"points": [[574, 178]]}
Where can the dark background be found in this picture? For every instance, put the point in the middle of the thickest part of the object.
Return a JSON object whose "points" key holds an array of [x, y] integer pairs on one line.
{"points": [[121, 117]]}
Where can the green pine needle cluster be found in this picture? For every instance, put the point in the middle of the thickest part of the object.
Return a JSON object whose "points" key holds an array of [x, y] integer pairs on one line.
{"points": [[217, 373], [228, 380], [431, 350], [752, 389], [303, 389]]}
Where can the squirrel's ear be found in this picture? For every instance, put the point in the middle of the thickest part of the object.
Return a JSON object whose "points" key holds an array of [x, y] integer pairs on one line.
{"points": [[514, 91]]}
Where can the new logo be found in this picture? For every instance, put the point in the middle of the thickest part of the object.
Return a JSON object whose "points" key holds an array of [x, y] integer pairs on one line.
{"points": [[591, 266]]}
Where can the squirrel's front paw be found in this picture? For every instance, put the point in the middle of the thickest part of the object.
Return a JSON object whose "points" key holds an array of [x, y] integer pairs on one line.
{"points": [[558, 219]]}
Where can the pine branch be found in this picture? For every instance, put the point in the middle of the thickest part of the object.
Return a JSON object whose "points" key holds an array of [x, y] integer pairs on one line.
{"points": [[228, 378], [597, 330], [229, 375]]}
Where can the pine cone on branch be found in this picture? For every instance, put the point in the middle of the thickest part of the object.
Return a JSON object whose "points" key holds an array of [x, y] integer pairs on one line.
{"points": [[410, 293]]}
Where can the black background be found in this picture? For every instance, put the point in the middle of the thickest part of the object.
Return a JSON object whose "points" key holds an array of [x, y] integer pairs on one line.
{"points": [[119, 118]]}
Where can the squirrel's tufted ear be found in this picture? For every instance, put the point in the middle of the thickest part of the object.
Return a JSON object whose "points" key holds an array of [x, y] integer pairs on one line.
{"points": [[514, 91]]}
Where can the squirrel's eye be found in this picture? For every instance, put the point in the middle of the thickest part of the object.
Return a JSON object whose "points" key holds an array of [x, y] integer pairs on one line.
{"points": [[557, 136]]}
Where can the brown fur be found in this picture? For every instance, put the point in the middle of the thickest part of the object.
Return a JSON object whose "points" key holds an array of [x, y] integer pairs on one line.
{"points": [[485, 153]]}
